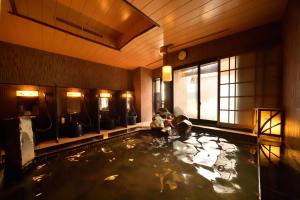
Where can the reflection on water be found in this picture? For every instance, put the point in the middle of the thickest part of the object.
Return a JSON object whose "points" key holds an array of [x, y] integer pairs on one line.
{"points": [[269, 154], [75, 157], [111, 178], [213, 157], [39, 194], [40, 166], [39, 177], [148, 167], [106, 150], [169, 177], [110, 160], [129, 143]]}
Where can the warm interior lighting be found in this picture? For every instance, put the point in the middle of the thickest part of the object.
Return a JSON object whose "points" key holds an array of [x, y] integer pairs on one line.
{"points": [[269, 153], [105, 135], [73, 94], [104, 100], [268, 121], [167, 73], [27, 93], [126, 95], [105, 95]]}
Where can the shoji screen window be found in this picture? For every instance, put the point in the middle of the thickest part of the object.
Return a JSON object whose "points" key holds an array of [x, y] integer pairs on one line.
{"points": [[237, 95]]}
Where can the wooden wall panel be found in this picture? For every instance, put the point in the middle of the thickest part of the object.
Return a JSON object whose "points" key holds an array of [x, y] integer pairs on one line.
{"points": [[142, 81], [263, 43], [136, 77], [146, 95], [22, 65], [291, 82], [242, 42]]}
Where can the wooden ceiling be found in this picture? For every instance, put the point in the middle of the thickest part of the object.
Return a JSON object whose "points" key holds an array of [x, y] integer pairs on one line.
{"points": [[181, 22], [113, 28]]}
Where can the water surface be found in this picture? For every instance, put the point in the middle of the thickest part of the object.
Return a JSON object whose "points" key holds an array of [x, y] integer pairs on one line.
{"points": [[146, 166]]}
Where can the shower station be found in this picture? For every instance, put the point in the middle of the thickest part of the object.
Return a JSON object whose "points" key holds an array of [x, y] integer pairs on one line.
{"points": [[73, 115], [21, 128], [114, 109], [129, 114], [107, 110]]}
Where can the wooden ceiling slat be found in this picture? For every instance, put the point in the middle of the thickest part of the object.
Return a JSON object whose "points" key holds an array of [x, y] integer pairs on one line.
{"points": [[101, 8], [88, 10], [22, 6], [141, 4], [171, 7], [34, 9], [4, 7], [230, 15], [48, 8], [75, 14], [75, 11], [182, 31], [181, 12], [155, 6], [107, 7], [179, 22], [61, 11], [168, 26]]}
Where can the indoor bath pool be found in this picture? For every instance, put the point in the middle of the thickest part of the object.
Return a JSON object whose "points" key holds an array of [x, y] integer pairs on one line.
{"points": [[146, 166]]}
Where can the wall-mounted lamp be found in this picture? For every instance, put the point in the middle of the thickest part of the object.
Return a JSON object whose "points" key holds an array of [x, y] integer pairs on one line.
{"points": [[105, 95], [268, 121], [73, 94], [104, 100], [126, 95], [27, 93]]}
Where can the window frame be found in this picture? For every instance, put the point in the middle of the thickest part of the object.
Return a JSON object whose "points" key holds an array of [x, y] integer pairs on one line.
{"points": [[198, 64], [208, 122]]}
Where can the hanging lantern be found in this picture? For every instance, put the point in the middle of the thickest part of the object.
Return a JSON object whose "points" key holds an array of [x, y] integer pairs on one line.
{"points": [[166, 69], [167, 73]]}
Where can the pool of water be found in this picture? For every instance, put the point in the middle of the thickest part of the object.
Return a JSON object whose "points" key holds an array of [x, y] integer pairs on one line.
{"points": [[146, 166]]}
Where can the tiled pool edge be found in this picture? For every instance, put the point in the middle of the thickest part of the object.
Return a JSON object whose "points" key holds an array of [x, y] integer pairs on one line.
{"points": [[85, 145], [237, 135]]}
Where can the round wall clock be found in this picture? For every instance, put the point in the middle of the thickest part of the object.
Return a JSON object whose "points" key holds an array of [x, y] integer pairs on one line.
{"points": [[182, 55]]}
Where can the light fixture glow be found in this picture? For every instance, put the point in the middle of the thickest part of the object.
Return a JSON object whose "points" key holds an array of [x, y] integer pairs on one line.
{"points": [[73, 94], [126, 95], [105, 95], [269, 153], [27, 93], [268, 121], [167, 73]]}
